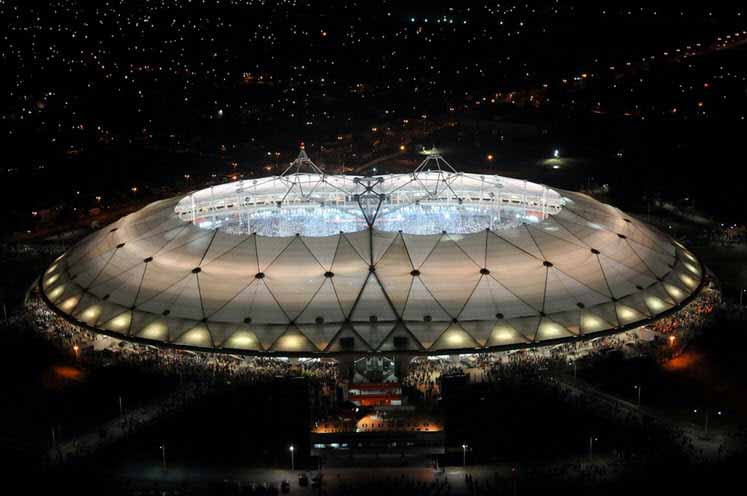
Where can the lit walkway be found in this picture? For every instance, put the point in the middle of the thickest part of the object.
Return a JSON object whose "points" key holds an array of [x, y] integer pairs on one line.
{"points": [[120, 427], [711, 447]]}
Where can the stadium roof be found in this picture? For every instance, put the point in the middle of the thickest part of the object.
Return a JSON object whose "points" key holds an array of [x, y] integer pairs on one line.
{"points": [[566, 266]]}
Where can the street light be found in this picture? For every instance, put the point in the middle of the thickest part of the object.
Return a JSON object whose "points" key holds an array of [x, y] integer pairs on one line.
{"points": [[592, 440], [638, 387], [707, 418], [163, 455], [464, 455], [293, 464]]}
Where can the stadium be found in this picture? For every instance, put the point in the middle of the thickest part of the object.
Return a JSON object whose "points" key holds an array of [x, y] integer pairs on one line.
{"points": [[435, 261]]}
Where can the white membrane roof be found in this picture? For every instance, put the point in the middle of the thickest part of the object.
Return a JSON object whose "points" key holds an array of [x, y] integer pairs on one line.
{"points": [[580, 268]]}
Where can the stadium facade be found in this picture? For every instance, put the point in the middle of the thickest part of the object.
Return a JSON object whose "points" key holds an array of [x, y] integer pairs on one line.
{"points": [[434, 261]]}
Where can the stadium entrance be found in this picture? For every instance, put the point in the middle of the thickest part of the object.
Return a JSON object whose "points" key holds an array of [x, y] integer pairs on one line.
{"points": [[374, 423]]}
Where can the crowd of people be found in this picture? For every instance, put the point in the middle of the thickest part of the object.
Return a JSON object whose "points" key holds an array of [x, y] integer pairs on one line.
{"points": [[691, 316], [424, 373], [412, 218], [311, 220], [432, 218], [209, 366]]}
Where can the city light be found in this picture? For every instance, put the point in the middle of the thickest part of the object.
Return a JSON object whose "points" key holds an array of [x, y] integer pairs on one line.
{"points": [[391, 280]]}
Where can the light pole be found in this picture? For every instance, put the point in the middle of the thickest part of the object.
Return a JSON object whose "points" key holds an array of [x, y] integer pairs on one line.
{"points": [[592, 440], [707, 412], [638, 388], [163, 455], [293, 464], [464, 455]]}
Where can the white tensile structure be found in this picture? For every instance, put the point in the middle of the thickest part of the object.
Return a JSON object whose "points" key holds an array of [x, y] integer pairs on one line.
{"points": [[433, 261]]}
